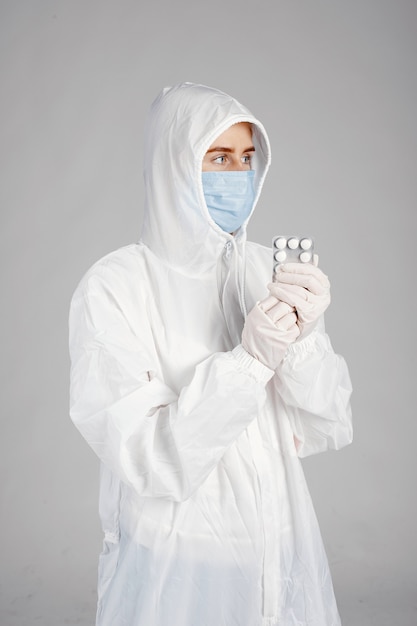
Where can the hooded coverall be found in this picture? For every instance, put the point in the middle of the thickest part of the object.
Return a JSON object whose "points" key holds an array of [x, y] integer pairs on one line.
{"points": [[206, 515]]}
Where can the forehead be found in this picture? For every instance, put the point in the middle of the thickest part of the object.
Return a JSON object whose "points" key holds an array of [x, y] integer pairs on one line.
{"points": [[235, 136]]}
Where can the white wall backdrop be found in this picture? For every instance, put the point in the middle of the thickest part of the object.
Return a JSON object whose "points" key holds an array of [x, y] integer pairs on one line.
{"points": [[335, 84]]}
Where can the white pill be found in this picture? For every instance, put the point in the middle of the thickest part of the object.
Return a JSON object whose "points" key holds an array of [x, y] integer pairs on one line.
{"points": [[280, 256], [293, 243], [306, 244], [305, 257], [280, 243]]}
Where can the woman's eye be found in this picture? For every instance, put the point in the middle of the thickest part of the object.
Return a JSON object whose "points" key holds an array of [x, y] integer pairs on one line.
{"points": [[220, 160], [246, 159]]}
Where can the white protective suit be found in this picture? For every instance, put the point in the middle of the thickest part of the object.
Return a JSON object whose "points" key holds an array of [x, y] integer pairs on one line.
{"points": [[205, 510]]}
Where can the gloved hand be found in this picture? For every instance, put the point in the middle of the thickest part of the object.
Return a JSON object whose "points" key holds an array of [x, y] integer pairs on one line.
{"points": [[269, 329], [304, 287]]}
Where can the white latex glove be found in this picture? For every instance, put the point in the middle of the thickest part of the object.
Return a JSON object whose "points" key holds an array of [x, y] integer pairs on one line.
{"points": [[304, 287], [269, 329]]}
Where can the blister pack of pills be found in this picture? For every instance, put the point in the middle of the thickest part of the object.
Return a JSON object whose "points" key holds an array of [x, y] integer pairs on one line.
{"points": [[291, 250]]}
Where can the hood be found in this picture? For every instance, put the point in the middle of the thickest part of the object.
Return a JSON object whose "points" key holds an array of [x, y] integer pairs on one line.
{"points": [[183, 122]]}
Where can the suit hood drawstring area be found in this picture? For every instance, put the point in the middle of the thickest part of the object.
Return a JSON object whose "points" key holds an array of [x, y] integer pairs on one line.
{"points": [[238, 268], [240, 281]]}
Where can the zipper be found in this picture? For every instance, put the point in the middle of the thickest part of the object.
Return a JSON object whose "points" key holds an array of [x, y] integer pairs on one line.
{"points": [[270, 532], [270, 582], [239, 275], [229, 264]]}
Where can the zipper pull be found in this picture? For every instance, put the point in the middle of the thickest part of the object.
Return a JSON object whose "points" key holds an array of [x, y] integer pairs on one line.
{"points": [[227, 249]]}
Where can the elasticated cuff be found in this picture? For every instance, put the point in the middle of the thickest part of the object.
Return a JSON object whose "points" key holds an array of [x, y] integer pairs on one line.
{"points": [[255, 368], [313, 342]]}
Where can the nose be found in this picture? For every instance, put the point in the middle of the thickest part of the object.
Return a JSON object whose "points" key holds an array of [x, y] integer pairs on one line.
{"points": [[237, 166]]}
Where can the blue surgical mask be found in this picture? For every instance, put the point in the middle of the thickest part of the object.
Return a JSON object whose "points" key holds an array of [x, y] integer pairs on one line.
{"points": [[229, 197]]}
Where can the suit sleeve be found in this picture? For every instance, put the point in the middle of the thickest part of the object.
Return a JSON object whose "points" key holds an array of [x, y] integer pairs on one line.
{"points": [[315, 386], [162, 443]]}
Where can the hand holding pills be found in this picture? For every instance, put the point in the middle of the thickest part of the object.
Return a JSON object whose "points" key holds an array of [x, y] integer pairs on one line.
{"points": [[304, 287]]}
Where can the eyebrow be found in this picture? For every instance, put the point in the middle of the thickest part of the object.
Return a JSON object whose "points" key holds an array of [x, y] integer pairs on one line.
{"points": [[221, 149]]}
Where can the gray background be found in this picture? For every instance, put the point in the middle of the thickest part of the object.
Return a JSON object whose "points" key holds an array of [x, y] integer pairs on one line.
{"points": [[335, 85]]}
